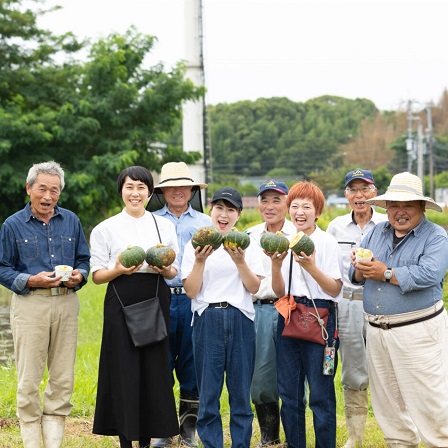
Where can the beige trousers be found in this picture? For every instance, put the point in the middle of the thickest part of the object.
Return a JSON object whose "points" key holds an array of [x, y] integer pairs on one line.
{"points": [[45, 331], [408, 372]]}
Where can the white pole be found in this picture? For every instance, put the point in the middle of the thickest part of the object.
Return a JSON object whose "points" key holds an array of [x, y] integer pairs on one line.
{"points": [[193, 111]]}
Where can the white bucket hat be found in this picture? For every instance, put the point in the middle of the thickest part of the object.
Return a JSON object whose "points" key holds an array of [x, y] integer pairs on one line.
{"points": [[177, 174], [404, 187]]}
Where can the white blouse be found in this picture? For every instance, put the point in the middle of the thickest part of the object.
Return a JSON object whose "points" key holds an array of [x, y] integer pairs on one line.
{"points": [[115, 234], [328, 260], [221, 281]]}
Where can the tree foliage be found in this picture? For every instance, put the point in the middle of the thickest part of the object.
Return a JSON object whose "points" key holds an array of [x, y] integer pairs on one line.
{"points": [[254, 138], [320, 139], [94, 117], [371, 146]]}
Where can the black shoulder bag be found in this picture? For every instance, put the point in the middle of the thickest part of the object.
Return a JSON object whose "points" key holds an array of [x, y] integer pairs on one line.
{"points": [[145, 321]]}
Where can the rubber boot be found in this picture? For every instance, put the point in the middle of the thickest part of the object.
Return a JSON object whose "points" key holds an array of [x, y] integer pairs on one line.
{"points": [[356, 406], [124, 442], [53, 430], [188, 416], [160, 443], [30, 433], [268, 415], [400, 445], [144, 442]]}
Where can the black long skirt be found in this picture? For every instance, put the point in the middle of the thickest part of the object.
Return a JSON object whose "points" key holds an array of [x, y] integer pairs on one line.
{"points": [[135, 390]]}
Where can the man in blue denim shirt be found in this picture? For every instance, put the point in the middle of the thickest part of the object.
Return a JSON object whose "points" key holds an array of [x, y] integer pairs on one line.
{"points": [[407, 335], [179, 192], [44, 310]]}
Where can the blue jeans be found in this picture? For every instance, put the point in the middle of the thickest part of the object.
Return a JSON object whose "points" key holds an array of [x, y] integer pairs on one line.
{"points": [[181, 347], [297, 360], [224, 346], [264, 382]]}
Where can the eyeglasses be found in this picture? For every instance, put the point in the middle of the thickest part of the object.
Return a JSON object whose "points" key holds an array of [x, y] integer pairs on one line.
{"points": [[363, 190]]}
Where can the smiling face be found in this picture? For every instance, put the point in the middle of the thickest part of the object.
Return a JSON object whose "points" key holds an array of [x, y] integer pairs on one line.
{"points": [[273, 209], [177, 197], [134, 193], [357, 192], [405, 216], [224, 216], [44, 194], [303, 215]]}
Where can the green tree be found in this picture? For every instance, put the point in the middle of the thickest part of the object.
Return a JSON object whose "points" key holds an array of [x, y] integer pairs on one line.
{"points": [[382, 178], [254, 138], [30, 84], [94, 117]]}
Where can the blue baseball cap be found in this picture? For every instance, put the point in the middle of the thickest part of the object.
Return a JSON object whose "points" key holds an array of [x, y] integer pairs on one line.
{"points": [[359, 174], [273, 185]]}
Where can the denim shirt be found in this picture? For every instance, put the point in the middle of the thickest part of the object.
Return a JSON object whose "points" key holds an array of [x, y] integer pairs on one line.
{"points": [[419, 262], [186, 225], [29, 246]]}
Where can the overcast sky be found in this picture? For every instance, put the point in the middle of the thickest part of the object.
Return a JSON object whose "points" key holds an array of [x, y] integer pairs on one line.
{"points": [[388, 51]]}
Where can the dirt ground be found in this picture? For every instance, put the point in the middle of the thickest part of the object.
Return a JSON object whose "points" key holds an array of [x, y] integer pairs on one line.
{"points": [[75, 428]]}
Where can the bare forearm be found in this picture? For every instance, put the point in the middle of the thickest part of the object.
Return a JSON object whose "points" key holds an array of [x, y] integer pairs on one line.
{"points": [[105, 276], [329, 285], [193, 282], [169, 272], [278, 283], [250, 281]]}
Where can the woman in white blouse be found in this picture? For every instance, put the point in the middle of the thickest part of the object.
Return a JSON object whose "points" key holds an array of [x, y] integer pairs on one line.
{"points": [[317, 276], [135, 395]]}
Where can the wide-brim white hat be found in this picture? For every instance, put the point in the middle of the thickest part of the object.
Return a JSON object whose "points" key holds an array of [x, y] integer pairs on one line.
{"points": [[404, 187], [177, 174]]}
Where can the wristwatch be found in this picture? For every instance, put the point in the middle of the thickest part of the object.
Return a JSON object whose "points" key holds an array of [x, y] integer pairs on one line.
{"points": [[388, 274]]}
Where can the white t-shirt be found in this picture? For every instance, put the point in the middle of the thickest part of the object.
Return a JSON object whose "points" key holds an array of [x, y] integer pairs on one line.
{"points": [[328, 260], [115, 234], [221, 281]]}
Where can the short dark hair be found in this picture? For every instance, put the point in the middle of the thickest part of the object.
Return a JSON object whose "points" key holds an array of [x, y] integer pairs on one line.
{"points": [[139, 173]]}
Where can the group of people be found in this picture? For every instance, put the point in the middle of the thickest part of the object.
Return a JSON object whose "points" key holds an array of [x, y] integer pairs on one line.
{"points": [[385, 315]]}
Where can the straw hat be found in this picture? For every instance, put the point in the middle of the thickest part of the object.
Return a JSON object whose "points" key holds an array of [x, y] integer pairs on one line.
{"points": [[404, 187], [177, 174]]}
